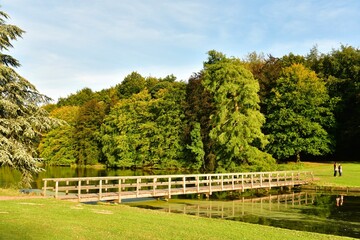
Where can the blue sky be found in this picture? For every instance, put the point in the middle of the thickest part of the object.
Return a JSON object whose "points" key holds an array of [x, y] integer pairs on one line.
{"points": [[72, 44]]}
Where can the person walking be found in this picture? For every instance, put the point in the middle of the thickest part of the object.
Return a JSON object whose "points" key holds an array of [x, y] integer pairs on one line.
{"points": [[335, 169], [340, 170]]}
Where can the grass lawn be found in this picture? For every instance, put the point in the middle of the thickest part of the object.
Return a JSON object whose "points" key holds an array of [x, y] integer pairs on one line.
{"points": [[54, 219], [325, 173]]}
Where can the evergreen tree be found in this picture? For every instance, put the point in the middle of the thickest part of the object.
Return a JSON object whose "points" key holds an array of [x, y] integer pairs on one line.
{"points": [[22, 120]]}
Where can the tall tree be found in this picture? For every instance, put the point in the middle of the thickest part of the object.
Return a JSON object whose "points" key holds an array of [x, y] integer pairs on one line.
{"points": [[341, 69], [22, 120], [237, 120], [299, 115], [57, 147], [199, 107], [86, 132]]}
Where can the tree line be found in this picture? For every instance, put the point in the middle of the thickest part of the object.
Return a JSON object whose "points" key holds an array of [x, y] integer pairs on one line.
{"points": [[234, 114]]}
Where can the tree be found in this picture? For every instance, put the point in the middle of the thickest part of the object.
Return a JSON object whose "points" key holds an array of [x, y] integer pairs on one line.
{"points": [[237, 120], [146, 129], [57, 146], [132, 84], [22, 120], [77, 99], [127, 130], [197, 147], [86, 131], [341, 69], [299, 115], [199, 108]]}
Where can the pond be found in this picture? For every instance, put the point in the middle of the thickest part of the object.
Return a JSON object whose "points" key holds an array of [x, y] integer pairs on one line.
{"points": [[304, 211]]}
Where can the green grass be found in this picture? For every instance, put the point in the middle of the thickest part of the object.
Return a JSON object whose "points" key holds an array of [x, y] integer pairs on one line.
{"points": [[325, 173], [52, 219]]}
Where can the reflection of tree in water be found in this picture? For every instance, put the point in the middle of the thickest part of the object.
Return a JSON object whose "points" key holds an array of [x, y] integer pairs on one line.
{"points": [[298, 211], [323, 206]]}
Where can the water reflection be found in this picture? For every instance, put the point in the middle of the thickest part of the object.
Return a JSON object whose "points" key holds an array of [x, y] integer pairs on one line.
{"points": [[304, 211], [340, 200]]}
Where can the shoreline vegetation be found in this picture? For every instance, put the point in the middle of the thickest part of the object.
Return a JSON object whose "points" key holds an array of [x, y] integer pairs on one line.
{"points": [[111, 221]]}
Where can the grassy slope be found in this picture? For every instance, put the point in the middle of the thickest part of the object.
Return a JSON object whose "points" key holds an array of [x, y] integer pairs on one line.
{"points": [[51, 219], [324, 171]]}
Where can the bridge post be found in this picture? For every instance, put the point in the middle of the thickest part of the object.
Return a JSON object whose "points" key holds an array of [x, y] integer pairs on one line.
{"points": [[67, 191], [87, 183], [184, 185], [79, 190], [252, 180], [119, 190], [222, 182], [210, 191], [154, 186], [197, 184], [261, 179], [45, 186], [137, 186], [100, 190], [169, 187], [56, 189], [242, 182], [270, 180], [232, 183]]}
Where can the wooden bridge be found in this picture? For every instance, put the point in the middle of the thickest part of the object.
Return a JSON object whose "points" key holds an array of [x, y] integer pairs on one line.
{"points": [[87, 189]]}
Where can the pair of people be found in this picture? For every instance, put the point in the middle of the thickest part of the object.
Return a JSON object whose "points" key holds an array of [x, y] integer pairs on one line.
{"points": [[337, 168]]}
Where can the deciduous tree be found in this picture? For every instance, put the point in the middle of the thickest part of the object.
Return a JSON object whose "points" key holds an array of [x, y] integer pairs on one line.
{"points": [[237, 120], [299, 115]]}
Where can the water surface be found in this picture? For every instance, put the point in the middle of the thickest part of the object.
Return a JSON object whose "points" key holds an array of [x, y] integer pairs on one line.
{"points": [[305, 211]]}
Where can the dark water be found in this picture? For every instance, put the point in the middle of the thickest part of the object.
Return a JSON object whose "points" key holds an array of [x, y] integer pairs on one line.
{"points": [[304, 211]]}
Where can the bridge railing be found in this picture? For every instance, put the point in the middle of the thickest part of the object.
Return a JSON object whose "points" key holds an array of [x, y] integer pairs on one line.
{"points": [[167, 185]]}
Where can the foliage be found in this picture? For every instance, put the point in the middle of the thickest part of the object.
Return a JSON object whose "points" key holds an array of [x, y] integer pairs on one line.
{"points": [[77, 99], [341, 69], [237, 120], [132, 84], [199, 106], [22, 120], [299, 113], [197, 147], [86, 139], [146, 130], [57, 146]]}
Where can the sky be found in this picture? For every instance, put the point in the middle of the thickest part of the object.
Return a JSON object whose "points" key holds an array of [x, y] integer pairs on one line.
{"points": [[73, 44]]}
